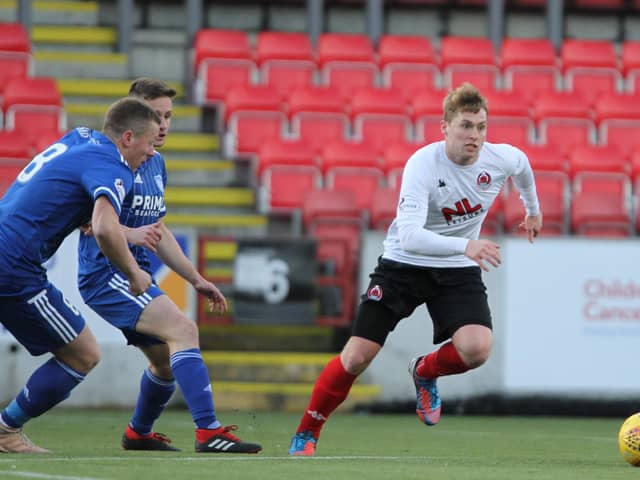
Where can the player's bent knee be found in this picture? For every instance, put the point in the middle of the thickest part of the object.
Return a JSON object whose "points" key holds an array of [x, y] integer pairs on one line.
{"points": [[357, 354], [476, 355]]}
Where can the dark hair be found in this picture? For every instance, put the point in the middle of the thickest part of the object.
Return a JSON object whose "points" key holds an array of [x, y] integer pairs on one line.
{"points": [[150, 89], [128, 113], [465, 98]]}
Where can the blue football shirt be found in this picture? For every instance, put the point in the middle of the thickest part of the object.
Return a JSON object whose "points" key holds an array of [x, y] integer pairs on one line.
{"points": [[53, 195], [143, 205]]}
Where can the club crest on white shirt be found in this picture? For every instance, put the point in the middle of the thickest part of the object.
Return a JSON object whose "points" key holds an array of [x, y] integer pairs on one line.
{"points": [[484, 180]]}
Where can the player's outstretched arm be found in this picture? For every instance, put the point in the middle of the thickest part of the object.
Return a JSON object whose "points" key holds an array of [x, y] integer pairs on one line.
{"points": [[171, 254], [481, 251], [113, 243], [146, 236], [532, 224]]}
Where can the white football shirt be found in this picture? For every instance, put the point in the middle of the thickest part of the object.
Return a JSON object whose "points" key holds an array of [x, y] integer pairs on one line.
{"points": [[442, 204]]}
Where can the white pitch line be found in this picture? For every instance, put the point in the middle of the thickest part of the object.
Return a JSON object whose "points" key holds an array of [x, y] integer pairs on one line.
{"points": [[46, 476], [208, 458]]}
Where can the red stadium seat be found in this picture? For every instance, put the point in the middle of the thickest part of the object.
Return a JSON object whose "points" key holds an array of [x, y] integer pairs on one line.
{"points": [[286, 170], [354, 167], [14, 37], [349, 154], [286, 60], [252, 114], [631, 64], [32, 106], [284, 187], [590, 67], [469, 59], [380, 117], [248, 130], [13, 147], [601, 205], [563, 120], [530, 66], [283, 46], [222, 59], [363, 184], [427, 112], [345, 47], [394, 158], [347, 61], [547, 158], [618, 119], [509, 118], [46, 139], [599, 4], [408, 63], [13, 65], [493, 223], [383, 208], [332, 214], [318, 115], [597, 158], [553, 195], [255, 98], [634, 169], [277, 151], [216, 76], [219, 43], [8, 172]]}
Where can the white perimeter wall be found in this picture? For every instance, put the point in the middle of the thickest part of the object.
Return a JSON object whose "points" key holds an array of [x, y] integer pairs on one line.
{"points": [[115, 381], [566, 316]]}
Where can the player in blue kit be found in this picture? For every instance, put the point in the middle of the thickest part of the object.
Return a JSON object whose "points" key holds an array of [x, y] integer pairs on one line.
{"points": [[152, 322], [84, 176]]}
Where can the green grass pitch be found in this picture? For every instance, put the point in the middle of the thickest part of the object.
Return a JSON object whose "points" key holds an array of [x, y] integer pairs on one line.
{"points": [[362, 447]]}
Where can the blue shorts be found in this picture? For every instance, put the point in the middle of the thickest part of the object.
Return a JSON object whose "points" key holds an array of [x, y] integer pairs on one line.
{"points": [[109, 297], [42, 322]]}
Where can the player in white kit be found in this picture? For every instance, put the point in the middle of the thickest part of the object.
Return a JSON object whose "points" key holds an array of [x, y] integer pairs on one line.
{"points": [[432, 255]]}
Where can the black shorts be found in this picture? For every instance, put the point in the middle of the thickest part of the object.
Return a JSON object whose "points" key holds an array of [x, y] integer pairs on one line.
{"points": [[454, 297]]}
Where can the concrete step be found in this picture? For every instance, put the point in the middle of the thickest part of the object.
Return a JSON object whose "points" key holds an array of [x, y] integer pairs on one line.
{"points": [[49, 37], [208, 143], [206, 172], [232, 224], [218, 259], [81, 64], [290, 367], [186, 118], [268, 338], [54, 12], [209, 197], [103, 89], [282, 397]]}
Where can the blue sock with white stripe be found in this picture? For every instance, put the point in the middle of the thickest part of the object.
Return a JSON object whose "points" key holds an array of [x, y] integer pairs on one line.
{"points": [[193, 377], [153, 397], [49, 385]]}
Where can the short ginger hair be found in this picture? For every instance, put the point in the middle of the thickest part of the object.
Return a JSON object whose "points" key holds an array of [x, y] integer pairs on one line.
{"points": [[465, 98]]}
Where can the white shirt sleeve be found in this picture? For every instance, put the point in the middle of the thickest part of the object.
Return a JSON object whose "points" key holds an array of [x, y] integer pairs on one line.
{"points": [[524, 181]]}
